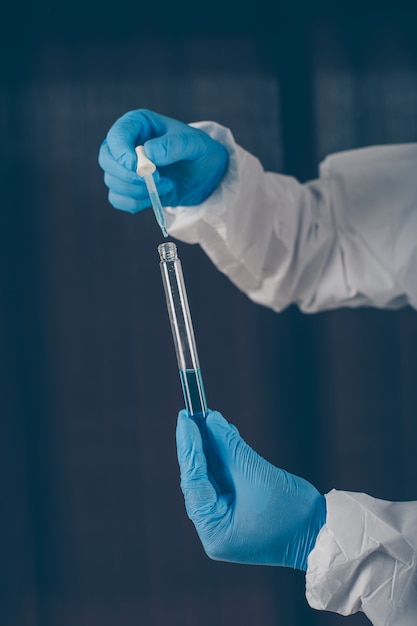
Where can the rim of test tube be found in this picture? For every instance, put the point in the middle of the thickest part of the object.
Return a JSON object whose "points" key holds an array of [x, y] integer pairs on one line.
{"points": [[168, 251]]}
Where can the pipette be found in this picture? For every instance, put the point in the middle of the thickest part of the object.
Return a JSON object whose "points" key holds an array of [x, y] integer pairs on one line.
{"points": [[145, 168]]}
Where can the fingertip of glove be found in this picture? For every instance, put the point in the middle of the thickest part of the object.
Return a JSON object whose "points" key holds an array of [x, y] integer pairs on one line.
{"points": [[215, 420], [103, 154], [188, 438], [221, 430], [185, 426]]}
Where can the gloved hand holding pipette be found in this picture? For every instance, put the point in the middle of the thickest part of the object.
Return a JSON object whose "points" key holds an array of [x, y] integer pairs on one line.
{"points": [[260, 514], [189, 163]]}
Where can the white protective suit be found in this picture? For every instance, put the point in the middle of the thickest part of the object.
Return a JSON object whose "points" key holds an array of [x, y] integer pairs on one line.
{"points": [[346, 239]]}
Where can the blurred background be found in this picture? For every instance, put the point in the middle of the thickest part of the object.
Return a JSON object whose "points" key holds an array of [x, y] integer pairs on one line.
{"points": [[93, 529]]}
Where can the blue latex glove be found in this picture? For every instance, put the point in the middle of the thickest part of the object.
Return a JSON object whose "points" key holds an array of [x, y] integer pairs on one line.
{"points": [[190, 164], [245, 510]]}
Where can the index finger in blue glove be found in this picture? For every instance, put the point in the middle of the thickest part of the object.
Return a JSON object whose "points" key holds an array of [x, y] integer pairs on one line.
{"points": [[109, 164], [130, 130], [182, 143], [136, 128]]}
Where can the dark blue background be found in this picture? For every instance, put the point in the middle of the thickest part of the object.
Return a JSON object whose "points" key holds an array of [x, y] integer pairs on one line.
{"points": [[93, 528]]}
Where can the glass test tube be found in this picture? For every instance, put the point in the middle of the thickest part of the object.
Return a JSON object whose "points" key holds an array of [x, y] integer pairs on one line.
{"points": [[182, 329]]}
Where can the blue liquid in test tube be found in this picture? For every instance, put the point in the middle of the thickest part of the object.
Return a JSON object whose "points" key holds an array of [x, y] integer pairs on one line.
{"points": [[193, 391]]}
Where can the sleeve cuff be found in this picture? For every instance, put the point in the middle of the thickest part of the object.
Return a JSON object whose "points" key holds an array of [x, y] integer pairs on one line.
{"points": [[365, 559]]}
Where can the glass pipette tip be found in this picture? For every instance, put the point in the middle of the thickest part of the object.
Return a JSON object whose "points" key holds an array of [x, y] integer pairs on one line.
{"points": [[156, 202]]}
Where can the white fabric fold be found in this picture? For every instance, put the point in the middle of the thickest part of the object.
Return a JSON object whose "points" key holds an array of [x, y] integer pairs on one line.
{"points": [[365, 559], [348, 238]]}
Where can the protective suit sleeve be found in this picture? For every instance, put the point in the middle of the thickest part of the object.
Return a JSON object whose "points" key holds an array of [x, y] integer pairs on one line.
{"points": [[348, 238], [365, 559]]}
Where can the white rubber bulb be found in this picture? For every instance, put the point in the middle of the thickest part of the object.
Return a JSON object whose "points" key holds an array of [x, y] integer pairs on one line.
{"points": [[143, 164]]}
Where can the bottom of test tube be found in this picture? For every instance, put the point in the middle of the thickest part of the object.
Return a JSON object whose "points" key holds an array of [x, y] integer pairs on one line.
{"points": [[193, 391]]}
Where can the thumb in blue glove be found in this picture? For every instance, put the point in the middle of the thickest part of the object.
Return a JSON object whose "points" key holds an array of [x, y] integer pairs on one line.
{"points": [[190, 164], [244, 509]]}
